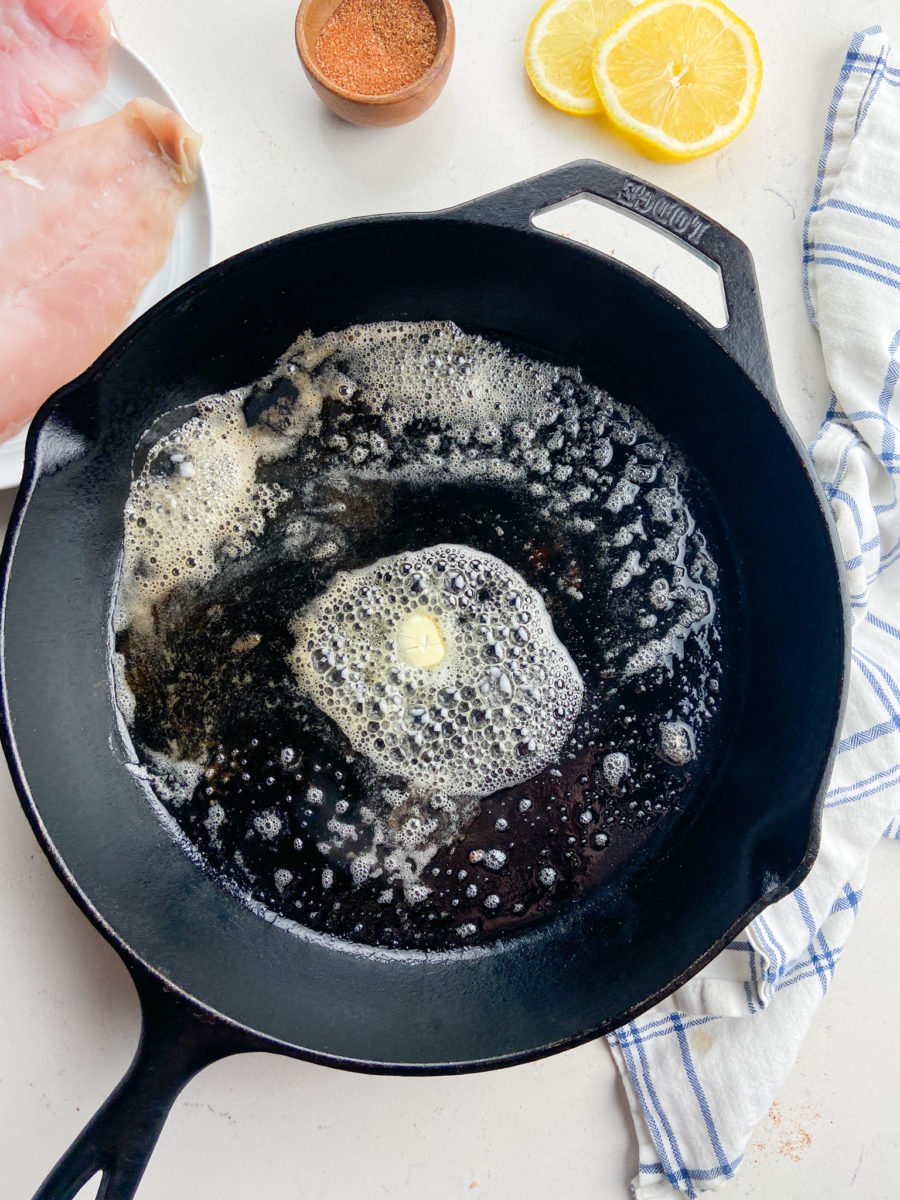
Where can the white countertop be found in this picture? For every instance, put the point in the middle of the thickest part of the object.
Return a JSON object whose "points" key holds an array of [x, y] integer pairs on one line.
{"points": [[260, 1125]]}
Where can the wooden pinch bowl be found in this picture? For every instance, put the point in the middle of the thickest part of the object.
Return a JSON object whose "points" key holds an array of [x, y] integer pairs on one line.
{"points": [[393, 108]]}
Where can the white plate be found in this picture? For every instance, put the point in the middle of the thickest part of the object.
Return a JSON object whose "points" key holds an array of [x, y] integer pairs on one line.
{"points": [[192, 246]]}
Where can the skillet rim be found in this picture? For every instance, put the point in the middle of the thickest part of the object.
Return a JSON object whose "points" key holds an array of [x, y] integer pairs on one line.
{"points": [[131, 957]]}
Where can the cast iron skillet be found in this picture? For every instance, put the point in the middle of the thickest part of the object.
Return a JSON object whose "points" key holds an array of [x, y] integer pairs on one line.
{"points": [[213, 977]]}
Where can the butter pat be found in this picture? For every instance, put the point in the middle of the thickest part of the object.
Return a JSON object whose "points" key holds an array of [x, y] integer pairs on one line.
{"points": [[420, 641]]}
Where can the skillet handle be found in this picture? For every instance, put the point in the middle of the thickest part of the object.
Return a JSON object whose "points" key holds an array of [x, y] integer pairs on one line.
{"points": [[176, 1042], [743, 338]]}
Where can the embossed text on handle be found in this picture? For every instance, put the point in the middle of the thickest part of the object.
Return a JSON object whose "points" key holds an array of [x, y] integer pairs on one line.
{"points": [[662, 210]]}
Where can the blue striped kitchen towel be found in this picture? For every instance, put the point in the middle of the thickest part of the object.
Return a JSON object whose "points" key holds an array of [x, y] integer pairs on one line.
{"points": [[702, 1068]]}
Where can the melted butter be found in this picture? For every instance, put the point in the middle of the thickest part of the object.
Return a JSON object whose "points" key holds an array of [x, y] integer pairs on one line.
{"points": [[441, 666]]}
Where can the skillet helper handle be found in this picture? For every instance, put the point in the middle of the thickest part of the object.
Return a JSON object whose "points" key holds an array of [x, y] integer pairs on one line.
{"points": [[176, 1042], [743, 338]]}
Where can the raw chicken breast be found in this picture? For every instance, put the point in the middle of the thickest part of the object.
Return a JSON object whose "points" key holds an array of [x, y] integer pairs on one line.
{"points": [[86, 220], [53, 55]]}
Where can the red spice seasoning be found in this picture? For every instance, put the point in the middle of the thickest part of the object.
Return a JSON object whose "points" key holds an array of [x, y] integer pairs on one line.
{"points": [[372, 47]]}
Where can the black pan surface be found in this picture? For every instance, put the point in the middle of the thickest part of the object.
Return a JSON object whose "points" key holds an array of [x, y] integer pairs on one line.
{"points": [[745, 841]]}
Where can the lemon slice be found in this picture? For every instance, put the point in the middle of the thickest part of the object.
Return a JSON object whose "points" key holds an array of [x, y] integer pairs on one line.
{"points": [[559, 50], [678, 78]]}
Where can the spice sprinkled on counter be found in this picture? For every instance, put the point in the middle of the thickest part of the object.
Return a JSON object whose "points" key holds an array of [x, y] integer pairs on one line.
{"points": [[374, 47]]}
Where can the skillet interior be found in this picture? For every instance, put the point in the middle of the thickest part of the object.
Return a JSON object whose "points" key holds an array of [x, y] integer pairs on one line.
{"points": [[750, 838]]}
